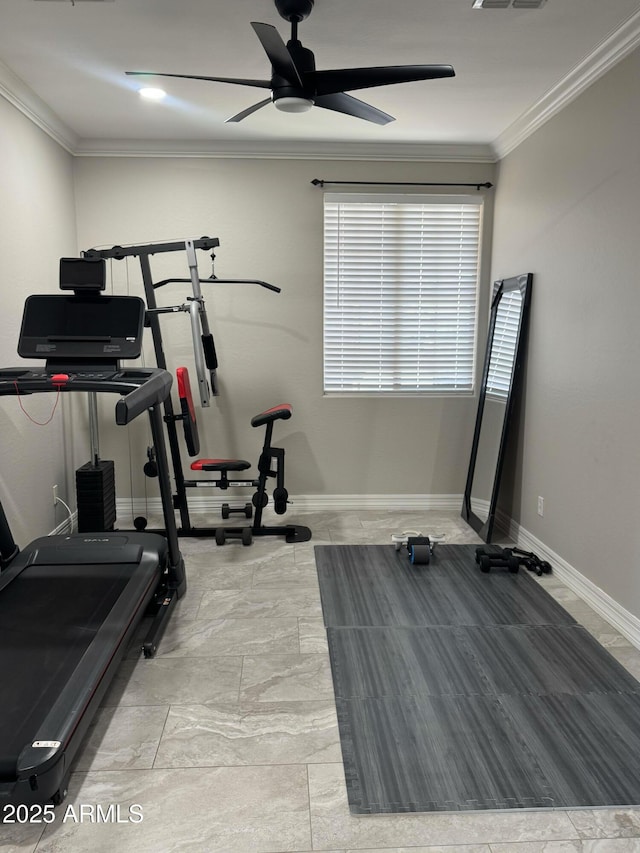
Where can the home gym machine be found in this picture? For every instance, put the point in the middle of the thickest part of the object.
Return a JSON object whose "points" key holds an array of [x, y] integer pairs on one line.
{"points": [[271, 460], [70, 605]]}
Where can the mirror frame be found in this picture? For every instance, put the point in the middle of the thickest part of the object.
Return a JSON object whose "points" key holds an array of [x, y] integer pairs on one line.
{"points": [[484, 528]]}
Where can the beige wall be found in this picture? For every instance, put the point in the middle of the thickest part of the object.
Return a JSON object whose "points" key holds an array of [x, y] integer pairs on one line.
{"points": [[567, 210], [268, 218], [37, 227]]}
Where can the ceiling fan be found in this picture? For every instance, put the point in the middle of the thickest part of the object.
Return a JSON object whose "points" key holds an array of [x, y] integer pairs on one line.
{"points": [[295, 84]]}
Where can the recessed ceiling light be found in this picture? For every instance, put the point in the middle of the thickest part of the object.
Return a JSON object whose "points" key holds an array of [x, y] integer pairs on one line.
{"points": [[152, 94]]}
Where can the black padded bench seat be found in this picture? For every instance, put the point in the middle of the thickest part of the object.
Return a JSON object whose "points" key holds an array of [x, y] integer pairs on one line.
{"points": [[276, 413], [220, 465]]}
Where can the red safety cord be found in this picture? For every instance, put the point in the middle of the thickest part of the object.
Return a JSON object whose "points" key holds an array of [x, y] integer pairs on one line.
{"points": [[53, 411]]}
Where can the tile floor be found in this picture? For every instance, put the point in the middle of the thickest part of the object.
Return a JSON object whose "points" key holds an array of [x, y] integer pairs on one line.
{"points": [[228, 740]]}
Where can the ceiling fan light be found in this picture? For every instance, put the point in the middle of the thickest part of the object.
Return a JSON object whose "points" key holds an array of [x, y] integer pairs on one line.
{"points": [[293, 105], [150, 93]]}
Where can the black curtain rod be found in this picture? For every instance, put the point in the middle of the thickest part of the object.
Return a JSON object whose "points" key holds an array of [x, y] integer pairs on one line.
{"points": [[317, 182]]}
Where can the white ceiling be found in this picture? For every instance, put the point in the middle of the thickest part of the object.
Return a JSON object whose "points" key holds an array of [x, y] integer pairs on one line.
{"points": [[63, 63]]}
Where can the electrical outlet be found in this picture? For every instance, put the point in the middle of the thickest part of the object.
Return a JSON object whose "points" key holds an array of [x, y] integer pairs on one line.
{"points": [[540, 505], [55, 495]]}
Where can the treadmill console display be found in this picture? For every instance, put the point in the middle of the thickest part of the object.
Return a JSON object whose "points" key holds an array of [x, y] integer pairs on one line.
{"points": [[83, 274], [82, 327]]}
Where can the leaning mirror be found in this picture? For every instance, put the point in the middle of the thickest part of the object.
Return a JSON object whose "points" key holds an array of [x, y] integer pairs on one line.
{"points": [[502, 368]]}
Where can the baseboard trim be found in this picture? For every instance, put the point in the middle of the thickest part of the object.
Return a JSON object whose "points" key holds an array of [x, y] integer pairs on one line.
{"points": [[305, 503], [364, 502], [622, 620]]}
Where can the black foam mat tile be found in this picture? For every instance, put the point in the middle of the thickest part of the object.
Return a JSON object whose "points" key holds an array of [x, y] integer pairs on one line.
{"points": [[424, 754], [586, 746], [376, 663]]}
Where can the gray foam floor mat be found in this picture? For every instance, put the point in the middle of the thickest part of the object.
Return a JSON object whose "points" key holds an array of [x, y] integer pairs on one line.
{"points": [[459, 690]]}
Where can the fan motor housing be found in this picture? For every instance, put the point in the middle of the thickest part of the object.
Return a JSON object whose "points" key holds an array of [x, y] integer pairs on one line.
{"points": [[294, 10], [302, 56]]}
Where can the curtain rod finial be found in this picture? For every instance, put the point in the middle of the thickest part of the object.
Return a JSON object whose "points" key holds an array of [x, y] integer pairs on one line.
{"points": [[317, 182]]}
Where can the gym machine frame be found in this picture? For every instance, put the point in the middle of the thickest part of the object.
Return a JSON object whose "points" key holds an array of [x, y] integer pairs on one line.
{"points": [[205, 359]]}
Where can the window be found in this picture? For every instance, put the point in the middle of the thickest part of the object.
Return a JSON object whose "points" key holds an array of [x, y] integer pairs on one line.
{"points": [[400, 293]]}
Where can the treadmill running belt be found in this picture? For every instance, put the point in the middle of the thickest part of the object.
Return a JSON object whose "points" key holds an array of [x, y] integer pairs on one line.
{"points": [[48, 618]]}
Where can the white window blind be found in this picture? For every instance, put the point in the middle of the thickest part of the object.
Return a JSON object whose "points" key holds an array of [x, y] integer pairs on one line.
{"points": [[400, 294], [503, 348]]}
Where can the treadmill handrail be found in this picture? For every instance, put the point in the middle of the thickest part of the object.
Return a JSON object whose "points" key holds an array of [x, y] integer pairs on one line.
{"points": [[142, 388], [153, 392]]}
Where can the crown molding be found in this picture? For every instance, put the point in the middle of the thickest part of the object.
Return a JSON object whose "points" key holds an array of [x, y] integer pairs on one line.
{"points": [[16, 91], [288, 150], [611, 51]]}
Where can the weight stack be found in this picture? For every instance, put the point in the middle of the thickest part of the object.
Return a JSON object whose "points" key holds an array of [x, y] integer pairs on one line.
{"points": [[96, 495]]}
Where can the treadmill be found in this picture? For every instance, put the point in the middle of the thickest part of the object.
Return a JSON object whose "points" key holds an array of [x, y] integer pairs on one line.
{"points": [[70, 605]]}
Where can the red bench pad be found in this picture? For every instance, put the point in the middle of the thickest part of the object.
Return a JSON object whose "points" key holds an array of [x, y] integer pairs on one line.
{"points": [[188, 410]]}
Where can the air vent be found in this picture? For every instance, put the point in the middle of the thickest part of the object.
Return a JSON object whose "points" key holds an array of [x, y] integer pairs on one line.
{"points": [[491, 4], [506, 4]]}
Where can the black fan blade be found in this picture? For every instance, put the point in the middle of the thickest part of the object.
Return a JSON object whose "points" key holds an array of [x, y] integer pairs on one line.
{"points": [[341, 103], [259, 84], [249, 110], [275, 48], [348, 79]]}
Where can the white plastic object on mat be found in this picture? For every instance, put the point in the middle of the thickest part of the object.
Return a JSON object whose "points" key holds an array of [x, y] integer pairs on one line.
{"points": [[400, 539]]}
